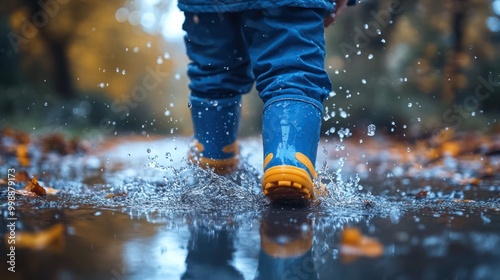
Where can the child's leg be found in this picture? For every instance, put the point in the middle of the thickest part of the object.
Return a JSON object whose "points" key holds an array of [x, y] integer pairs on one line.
{"points": [[287, 50], [219, 73]]}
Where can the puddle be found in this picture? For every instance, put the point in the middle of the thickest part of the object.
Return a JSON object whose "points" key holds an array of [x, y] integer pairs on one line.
{"points": [[132, 214]]}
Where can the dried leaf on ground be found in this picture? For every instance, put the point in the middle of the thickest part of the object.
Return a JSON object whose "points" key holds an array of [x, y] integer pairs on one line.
{"points": [[421, 195], [58, 143], [113, 195], [22, 155], [51, 239], [464, 200], [34, 189], [354, 245]]}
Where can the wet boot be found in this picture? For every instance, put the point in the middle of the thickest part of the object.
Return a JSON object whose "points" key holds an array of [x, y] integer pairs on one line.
{"points": [[290, 131], [215, 123]]}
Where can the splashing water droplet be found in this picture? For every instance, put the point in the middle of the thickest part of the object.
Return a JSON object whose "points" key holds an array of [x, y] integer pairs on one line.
{"points": [[148, 150], [363, 81], [370, 56], [371, 130], [410, 105]]}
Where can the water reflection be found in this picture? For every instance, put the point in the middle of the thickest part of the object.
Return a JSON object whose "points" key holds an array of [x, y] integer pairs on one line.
{"points": [[210, 253], [286, 237]]}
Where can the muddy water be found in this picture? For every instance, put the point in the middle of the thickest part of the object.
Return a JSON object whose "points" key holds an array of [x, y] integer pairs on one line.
{"points": [[139, 211]]}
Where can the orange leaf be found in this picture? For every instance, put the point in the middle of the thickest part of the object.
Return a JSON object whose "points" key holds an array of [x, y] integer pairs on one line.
{"points": [[451, 148], [421, 195], [22, 155], [33, 188], [464, 200], [50, 239], [354, 244], [112, 195]]}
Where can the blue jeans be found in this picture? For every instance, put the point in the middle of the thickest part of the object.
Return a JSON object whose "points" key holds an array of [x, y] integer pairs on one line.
{"points": [[282, 50]]}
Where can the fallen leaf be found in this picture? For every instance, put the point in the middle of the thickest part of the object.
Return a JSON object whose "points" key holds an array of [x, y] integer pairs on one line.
{"points": [[354, 244], [22, 155], [58, 143], [33, 189], [470, 181], [51, 239], [112, 195], [421, 195], [451, 148], [464, 200]]}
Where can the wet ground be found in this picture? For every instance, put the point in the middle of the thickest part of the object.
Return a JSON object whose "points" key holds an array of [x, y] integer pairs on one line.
{"points": [[137, 210]]}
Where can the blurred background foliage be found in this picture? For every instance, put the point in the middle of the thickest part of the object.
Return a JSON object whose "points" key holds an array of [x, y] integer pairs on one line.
{"points": [[112, 67]]}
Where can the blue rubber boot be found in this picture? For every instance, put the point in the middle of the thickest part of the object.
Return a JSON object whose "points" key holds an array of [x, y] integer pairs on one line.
{"points": [[290, 131], [215, 123]]}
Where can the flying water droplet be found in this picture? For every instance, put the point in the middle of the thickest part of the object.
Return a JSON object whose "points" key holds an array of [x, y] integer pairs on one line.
{"points": [[371, 130]]}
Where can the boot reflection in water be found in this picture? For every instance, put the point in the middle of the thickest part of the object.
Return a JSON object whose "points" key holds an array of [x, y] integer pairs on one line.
{"points": [[210, 252], [286, 241], [279, 46]]}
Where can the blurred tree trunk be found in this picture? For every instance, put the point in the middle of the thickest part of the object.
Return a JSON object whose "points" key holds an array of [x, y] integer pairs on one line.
{"points": [[62, 77], [455, 80], [57, 47]]}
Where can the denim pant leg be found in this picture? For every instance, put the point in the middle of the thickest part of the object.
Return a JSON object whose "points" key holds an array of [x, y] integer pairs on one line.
{"points": [[220, 65], [287, 49]]}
